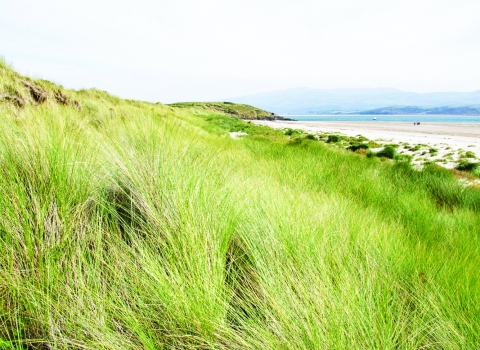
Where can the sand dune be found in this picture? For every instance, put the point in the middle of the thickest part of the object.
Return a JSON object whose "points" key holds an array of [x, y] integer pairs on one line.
{"points": [[446, 137]]}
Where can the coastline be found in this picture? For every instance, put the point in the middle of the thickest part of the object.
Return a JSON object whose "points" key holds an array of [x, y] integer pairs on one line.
{"points": [[447, 138]]}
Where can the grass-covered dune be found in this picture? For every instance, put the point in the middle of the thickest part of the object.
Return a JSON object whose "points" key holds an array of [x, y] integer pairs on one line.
{"points": [[130, 225], [239, 110]]}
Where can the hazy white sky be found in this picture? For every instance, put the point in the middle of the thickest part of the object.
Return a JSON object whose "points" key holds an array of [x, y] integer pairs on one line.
{"points": [[179, 50]]}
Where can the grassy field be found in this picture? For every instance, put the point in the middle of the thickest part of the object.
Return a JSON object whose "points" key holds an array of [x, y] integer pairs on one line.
{"points": [[130, 225]]}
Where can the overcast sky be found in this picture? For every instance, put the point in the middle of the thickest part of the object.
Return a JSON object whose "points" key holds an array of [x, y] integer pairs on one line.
{"points": [[180, 50]]}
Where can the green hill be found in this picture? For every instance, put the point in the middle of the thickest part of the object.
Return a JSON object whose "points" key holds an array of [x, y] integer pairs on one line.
{"points": [[132, 225], [239, 110]]}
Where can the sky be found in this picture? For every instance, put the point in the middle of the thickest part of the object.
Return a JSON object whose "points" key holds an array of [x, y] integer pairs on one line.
{"points": [[199, 50]]}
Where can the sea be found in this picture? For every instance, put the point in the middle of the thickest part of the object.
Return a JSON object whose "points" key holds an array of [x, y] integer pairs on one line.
{"points": [[431, 118]]}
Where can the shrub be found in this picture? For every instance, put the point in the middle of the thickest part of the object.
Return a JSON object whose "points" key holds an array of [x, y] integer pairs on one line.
{"points": [[387, 152], [355, 148], [333, 138], [373, 144], [470, 154], [468, 166], [310, 137], [361, 138], [290, 132]]}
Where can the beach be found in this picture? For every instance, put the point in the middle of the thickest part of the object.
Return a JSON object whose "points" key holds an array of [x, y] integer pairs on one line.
{"points": [[447, 138]]}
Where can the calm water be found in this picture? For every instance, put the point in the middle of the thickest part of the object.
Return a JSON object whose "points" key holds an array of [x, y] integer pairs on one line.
{"points": [[389, 118]]}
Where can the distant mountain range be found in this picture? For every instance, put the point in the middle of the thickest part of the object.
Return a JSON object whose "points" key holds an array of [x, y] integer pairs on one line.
{"points": [[446, 110], [363, 101]]}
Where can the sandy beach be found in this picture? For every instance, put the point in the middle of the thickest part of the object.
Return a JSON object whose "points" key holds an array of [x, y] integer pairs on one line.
{"points": [[446, 137]]}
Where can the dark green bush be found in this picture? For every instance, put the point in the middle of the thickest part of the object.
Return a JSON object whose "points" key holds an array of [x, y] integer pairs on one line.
{"points": [[387, 152], [334, 138], [354, 148], [310, 137], [290, 132], [468, 166]]}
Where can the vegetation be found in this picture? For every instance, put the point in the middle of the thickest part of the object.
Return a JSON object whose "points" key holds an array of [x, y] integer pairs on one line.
{"points": [[333, 138], [130, 225], [357, 147], [470, 154], [239, 110], [387, 152], [471, 167], [291, 132], [373, 144]]}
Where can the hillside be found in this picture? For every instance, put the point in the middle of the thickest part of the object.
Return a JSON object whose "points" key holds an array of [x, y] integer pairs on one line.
{"points": [[239, 110], [132, 225], [319, 101], [445, 110]]}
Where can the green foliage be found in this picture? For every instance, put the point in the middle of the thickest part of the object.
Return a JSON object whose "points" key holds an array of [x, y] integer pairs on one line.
{"points": [[472, 167], [387, 152], [373, 144], [297, 141], [129, 225], [470, 154], [310, 137], [354, 148], [361, 138], [415, 148], [292, 132], [403, 158], [239, 110], [333, 138]]}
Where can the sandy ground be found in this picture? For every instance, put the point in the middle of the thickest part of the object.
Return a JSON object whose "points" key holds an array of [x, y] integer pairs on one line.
{"points": [[449, 139], [237, 134]]}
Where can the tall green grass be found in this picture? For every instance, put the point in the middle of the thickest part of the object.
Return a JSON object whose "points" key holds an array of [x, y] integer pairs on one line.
{"points": [[127, 225]]}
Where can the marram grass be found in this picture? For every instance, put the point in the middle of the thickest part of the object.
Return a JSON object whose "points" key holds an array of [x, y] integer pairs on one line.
{"points": [[128, 225]]}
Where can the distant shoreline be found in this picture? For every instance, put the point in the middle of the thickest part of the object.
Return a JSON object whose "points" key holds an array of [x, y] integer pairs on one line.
{"points": [[380, 115], [408, 118], [437, 132], [446, 137]]}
